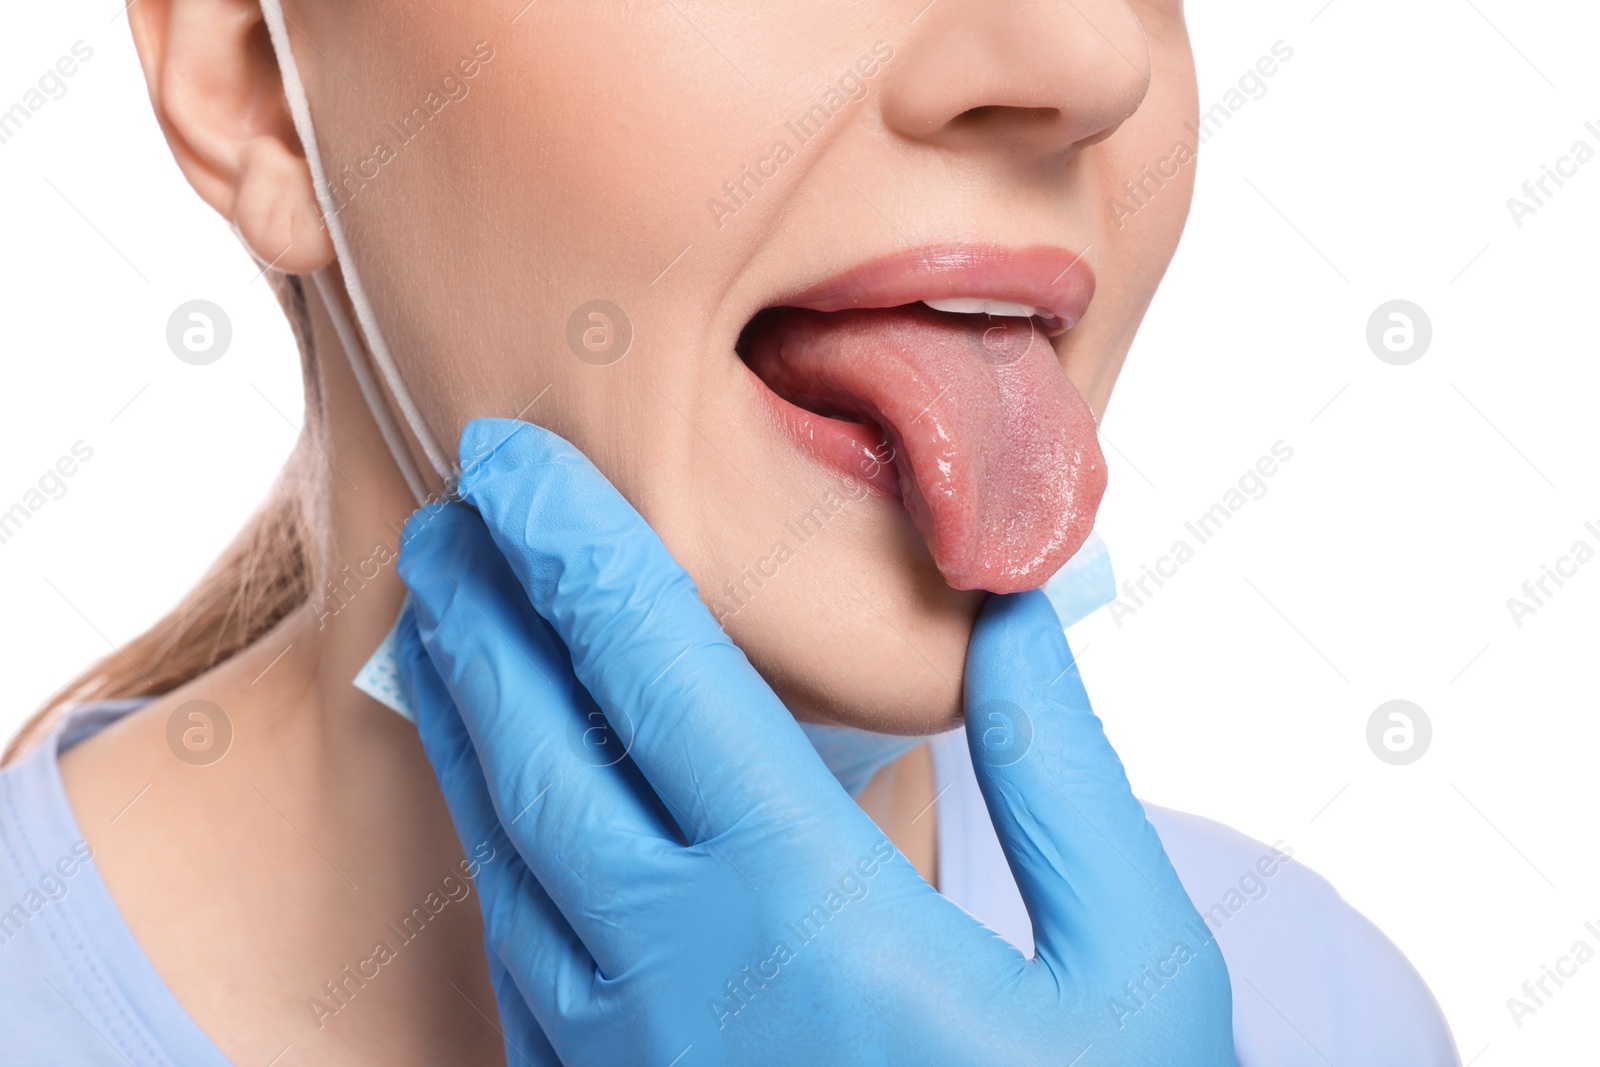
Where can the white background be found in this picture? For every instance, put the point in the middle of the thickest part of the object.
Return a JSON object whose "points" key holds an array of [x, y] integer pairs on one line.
{"points": [[1377, 566]]}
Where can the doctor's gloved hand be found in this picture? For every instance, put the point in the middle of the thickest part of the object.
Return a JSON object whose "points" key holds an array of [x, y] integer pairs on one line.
{"points": [[682, 881]]}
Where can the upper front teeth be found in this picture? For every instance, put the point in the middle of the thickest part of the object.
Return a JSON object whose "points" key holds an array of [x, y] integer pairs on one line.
{"points": [[963, 305]]}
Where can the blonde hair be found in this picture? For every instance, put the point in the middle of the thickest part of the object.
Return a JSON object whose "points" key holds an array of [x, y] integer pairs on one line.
{"points": [[266, 571]]}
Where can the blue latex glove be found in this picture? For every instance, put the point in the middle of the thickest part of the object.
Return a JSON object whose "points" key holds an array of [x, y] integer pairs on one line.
{"points": [[715, 897]]}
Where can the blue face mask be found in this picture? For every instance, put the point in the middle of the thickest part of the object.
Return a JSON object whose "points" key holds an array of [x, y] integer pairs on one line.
{"points": [[1083, 585]]}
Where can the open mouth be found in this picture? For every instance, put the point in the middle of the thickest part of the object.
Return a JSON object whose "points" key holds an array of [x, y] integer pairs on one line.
{"points": [[953, 402]]}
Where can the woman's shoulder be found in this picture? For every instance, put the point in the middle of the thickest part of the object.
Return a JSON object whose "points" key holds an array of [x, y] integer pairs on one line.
{"points": [[1314, 980], [74, 985]]}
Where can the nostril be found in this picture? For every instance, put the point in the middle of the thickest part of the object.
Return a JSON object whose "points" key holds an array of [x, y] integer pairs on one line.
{"points": [[990, 114]]}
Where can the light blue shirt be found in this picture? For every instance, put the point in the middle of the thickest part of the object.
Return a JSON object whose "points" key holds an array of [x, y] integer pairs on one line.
{"points": [[1314, 983]]}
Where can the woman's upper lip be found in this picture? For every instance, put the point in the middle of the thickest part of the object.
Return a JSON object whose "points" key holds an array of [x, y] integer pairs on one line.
{"points": [[1055, 280]]}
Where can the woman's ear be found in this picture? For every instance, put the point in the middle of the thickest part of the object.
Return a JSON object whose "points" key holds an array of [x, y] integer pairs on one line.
{"points": [[217, 93]]}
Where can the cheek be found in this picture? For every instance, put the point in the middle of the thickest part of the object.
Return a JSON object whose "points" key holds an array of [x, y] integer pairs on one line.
{"points": [[1140, 186], [622, 124], [558, 182], [1147, 169]]}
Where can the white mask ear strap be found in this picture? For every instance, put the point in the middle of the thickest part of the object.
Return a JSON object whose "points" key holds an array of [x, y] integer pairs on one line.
{"points": [[300, 109], [369, 388]]}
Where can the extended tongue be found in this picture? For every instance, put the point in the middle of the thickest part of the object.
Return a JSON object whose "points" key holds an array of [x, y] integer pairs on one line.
{"points": [[999, 466]]}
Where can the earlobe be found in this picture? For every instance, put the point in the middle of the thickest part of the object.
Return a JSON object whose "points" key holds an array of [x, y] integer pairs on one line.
{"points": [[276, 212], [217, 93]]}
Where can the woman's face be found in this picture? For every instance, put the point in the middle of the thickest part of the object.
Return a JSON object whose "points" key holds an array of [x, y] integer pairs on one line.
{"points": [[528, 186]]}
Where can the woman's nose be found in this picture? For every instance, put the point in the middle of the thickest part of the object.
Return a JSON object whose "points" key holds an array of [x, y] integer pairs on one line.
{"points": [[1028, 78]]}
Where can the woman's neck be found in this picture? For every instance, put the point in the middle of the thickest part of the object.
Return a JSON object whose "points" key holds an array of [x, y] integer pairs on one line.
{"points": [[297, 891], [265, 882]]}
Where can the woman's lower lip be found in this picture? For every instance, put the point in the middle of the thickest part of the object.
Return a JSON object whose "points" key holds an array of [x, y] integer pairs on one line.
{"points": [[857, 451]]}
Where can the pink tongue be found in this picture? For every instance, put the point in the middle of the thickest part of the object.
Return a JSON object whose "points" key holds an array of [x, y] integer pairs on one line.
{"points": [[998, 462]]}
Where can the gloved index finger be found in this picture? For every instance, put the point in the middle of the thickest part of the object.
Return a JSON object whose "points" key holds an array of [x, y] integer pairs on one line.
{"points": [[707, 732]]}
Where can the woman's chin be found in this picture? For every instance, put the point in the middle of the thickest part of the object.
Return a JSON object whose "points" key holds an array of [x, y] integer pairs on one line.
{"points": [[885, 687]]}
